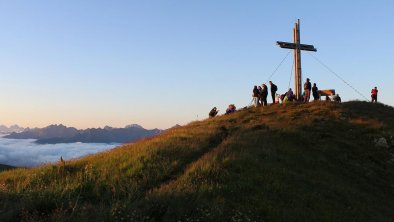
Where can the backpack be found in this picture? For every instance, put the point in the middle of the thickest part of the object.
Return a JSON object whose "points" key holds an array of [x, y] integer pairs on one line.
{"points": [[274, 88]]}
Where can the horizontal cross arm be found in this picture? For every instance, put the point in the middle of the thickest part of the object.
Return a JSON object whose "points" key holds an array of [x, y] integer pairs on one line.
{"points": [[307, 47], [289, 45]]}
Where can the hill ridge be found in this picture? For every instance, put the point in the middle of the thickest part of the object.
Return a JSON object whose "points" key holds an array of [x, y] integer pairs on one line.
{"points": [[294, 162]]}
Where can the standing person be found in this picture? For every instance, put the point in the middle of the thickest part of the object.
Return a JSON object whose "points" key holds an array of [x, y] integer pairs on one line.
{"points": [[213, 112], [337, 98], [260, 95], [374, 94], [255, 96], [264, 95], [307, 90], [315, 92], [274, 88]]}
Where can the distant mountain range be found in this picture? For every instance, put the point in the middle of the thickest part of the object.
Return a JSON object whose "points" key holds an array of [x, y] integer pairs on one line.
{"points": [[5, 167], [13, 128], [62, 134]]}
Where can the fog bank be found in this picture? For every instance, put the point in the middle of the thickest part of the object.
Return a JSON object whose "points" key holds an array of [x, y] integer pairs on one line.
{"points": [[26, 153]]}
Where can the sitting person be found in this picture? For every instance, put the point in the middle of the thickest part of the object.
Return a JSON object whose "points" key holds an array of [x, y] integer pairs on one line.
{"points": [[231, 108], [213, 112], [282, 97], [285, 99], [290, 95]]}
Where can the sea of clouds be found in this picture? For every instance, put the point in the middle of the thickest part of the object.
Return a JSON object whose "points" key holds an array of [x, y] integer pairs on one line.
{"points": [[27, 153]]}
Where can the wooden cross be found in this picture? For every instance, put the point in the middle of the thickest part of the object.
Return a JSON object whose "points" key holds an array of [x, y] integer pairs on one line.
{"points": [[297, 46]]}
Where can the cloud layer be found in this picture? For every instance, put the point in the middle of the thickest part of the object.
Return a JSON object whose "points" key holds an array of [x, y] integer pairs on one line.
{"points": [[26, 153]]}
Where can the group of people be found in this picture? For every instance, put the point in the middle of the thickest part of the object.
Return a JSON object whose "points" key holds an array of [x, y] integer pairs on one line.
{"points": [[214, 111], [260, 94], [307, 91]]}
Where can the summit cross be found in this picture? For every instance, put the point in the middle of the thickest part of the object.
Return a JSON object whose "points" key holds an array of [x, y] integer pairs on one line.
{"points": [[297, 46]]}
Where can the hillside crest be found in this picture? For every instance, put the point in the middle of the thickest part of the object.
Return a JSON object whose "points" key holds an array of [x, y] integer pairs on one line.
{"points": [[295, 162]]}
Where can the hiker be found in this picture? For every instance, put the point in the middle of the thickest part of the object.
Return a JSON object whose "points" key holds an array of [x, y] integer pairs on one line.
{"points": [[255, 96], [260, 95], [290, 95], [274, 88], [315, 92], [231, 109], [307, 90], [374, 94], [337, 98], [264, 95], [213, 112]]}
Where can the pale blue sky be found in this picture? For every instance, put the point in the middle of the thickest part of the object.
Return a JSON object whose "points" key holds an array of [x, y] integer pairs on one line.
{"points": [[157, 63]]}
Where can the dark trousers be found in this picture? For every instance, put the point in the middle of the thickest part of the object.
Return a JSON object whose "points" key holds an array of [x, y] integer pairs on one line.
{"points": [[273, 97], [374, 98], [263, 100], [315, 96]]}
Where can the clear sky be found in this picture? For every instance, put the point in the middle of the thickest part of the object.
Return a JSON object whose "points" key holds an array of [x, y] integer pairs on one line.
{"points": [[93, 63]]}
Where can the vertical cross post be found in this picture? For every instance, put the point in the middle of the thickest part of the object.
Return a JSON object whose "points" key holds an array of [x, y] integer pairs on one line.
{"points": [[297, 61], [297, 47]]}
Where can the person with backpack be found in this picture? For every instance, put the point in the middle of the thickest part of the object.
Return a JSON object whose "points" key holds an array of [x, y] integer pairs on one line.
{"points": [[307, 90], [315, 92], [274, 88], [255, 95], [374, 94], [213, 112], [264, 94]]}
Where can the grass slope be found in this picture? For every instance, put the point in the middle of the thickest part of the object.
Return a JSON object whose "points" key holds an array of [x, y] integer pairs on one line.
{"points": [[297, 162]]}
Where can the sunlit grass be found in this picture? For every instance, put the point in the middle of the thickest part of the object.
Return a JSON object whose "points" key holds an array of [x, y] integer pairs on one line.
{"points": [[292, 162]]}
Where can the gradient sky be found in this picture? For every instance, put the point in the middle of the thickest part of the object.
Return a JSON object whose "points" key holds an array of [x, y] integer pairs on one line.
{"points": [[93, 63]]}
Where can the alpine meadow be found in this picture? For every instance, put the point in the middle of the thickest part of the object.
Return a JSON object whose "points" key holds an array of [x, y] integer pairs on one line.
{"points": [[321, 161]]}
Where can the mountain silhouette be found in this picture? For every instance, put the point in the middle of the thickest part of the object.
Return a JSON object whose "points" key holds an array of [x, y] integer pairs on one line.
{"points": [[61, 134]]}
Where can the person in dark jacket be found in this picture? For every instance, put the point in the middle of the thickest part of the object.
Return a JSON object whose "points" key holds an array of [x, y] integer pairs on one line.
{"points": [[231, 109], [264, 94], [337, 98], [274, 88], [255, 95], [290, 95], [315, 92], [307, 90], [213, 112]]}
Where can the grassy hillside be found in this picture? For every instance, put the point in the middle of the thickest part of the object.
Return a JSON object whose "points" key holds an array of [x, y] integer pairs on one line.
{"points": [[296, 162]]}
